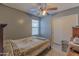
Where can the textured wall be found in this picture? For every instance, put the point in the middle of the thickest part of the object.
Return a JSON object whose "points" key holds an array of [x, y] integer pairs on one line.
{"points": [[19, 23]]}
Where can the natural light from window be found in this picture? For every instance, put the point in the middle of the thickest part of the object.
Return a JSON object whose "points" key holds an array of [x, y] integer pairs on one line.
{"points": [[35, 27]]}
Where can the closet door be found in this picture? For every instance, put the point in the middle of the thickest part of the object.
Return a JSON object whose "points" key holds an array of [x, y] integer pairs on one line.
{"points": [[62, 27], [57, 30]]}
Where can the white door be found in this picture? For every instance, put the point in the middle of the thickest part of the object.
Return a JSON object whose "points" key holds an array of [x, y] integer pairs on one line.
{"points": [[62, 27]]}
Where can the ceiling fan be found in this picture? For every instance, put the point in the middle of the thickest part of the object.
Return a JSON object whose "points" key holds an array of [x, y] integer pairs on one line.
{"points": [[44, 8]]}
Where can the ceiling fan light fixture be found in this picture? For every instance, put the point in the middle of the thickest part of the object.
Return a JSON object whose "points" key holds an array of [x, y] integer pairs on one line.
{"points": [[44, 12]]}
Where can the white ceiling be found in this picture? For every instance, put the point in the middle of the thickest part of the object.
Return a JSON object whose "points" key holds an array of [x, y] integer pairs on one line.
{"points": [[32, 8]]}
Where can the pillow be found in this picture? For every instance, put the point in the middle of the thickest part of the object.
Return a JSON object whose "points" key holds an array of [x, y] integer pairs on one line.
{"points": [[76, 40], [75, 44]]}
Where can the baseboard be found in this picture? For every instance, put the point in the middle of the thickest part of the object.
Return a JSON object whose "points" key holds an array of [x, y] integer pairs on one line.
{"points": [[57, 43]]}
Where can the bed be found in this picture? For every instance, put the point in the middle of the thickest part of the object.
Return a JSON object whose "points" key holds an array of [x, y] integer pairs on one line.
{"points": [[30, 46]]}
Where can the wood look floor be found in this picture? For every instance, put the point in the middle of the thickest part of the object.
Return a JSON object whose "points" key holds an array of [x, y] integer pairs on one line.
{"points": [[55, 51]]}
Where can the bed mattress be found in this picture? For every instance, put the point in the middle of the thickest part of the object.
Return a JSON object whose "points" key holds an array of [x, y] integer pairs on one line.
{"points": [[28, 45]]}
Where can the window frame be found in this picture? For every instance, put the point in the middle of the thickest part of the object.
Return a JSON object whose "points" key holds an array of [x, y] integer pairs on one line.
{"points": [[37, 27]]}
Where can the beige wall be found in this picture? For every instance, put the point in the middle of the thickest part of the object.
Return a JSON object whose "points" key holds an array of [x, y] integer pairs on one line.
{"points": [[68, 12], [19, 23], [62, 27]]}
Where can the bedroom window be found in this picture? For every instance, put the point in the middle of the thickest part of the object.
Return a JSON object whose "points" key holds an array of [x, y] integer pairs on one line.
{"points": [[35, 27]]}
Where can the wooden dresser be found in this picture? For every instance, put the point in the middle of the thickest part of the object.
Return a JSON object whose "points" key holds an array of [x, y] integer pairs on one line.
{"points": [[76, 31], [1, 38]]}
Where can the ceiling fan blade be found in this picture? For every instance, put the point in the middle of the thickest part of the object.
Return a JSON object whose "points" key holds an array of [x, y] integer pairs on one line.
{"points": [[52, 8]]}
